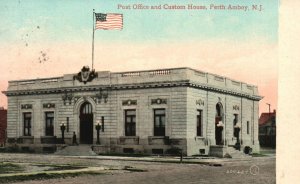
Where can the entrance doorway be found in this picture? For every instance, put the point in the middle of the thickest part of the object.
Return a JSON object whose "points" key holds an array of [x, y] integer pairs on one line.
{"points": [[218, 125], [86, 123]]}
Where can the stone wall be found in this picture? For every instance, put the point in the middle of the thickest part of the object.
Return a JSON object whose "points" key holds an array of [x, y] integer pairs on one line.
{"points": [[247, 111], [183, 91]]}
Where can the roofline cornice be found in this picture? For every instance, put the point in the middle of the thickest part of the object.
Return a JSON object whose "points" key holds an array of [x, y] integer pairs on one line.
{"points": [[183, 83]]}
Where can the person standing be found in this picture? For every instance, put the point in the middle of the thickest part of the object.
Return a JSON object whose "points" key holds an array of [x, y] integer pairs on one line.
{"points": [[74, 139]]}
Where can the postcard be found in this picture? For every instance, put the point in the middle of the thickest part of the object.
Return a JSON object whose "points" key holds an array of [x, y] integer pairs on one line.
{"points": [[147, 91]]}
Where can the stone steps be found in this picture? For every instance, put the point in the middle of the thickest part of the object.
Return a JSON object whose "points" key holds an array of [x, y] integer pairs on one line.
{"points": [[224, 151], [236, 153], [80, 150]]}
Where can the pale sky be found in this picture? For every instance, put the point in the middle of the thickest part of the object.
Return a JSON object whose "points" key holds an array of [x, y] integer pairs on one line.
{"points": [[236, 44]]}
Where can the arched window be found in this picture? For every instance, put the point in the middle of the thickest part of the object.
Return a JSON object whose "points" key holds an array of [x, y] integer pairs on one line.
{"points": [[219, 125], [219, 110], [86, 108]]}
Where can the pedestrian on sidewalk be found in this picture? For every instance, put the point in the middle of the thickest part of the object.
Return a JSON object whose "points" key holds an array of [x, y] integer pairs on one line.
{"points": [[74, 139]]}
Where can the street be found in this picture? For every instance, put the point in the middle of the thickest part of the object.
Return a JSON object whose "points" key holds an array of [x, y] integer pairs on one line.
{"points": [[254, 170]]}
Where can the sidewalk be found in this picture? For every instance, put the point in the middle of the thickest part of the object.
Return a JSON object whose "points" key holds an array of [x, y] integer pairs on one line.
{"points": [[168, 159]]}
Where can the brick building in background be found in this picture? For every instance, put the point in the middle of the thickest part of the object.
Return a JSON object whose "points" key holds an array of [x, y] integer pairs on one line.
{"points": [[3, 125], [267, 129]]}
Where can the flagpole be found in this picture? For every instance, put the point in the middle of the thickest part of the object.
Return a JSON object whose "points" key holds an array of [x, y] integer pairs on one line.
{"points": [[93, 39]]}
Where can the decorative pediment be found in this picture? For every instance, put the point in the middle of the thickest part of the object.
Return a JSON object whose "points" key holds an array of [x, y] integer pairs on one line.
{"points": [[200, 102], [158, 101], [129, 102], [26, 106], [85, 75], [236, 107], [49, 105]]}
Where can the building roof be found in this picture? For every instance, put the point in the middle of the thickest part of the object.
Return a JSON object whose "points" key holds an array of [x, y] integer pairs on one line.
{"points": [[89, 80], [266, 116]]}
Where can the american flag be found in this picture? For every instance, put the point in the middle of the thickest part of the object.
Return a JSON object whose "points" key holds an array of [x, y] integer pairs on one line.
{"points": [[109, 21]]}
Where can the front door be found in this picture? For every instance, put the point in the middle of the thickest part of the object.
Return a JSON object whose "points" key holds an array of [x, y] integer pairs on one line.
{"points": [[86, 123], [218, 131]]}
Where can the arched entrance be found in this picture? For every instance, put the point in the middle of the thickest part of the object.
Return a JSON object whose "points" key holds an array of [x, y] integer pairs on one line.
{"points": [[219, 124], [86, 123]]}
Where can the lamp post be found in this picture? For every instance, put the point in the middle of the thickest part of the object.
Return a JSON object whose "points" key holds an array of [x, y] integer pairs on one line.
{"points": [[98, 127], [62, 128]]}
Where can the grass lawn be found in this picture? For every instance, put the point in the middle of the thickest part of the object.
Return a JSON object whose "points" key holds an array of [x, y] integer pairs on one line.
{"points": [[10, 168]]}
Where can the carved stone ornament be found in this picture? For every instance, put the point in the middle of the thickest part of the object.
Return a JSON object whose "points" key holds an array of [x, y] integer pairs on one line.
{"points": [[200, 102], [158, 101], [26, 106], [236, 107], [67, 97], [49, 105], [76, 98], [85, 75], [102, 94], [129, 102]]}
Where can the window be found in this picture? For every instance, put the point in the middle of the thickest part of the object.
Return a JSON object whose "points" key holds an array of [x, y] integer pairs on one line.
{"points": [[130, 120], [235, 120], [219, 110], [102, 123], [49, 123], [157, 151], [199, 123], [248, 127], [68, 124], [159, 122], [128, 150], [262, 130], [27, 123], [86, 108]]}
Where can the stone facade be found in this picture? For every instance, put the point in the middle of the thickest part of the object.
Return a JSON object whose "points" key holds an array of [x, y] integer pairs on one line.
{"points": [[183, 95]]}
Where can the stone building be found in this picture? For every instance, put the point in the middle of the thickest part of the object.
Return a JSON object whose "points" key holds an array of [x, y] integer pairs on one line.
{"points": [[153, 111]]}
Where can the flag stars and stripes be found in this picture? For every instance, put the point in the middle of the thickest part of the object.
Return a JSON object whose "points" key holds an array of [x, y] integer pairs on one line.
{"points": [[100, 17], [109, 21]]}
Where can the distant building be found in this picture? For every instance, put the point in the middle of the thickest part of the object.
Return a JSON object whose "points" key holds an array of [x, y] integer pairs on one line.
{"points": [[153, 111], [267, 129], [3, 124]]}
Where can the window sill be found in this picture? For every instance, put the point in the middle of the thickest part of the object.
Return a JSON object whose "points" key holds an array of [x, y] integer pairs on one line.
{"points": [[199, 137], [129, 137], [158, 140], [27, 137], [48, 136], [129, 140], [158, 137]]}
